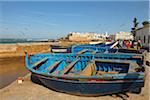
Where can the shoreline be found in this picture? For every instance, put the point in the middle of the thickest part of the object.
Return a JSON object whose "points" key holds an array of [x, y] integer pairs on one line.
{"points": [[19, 49]]}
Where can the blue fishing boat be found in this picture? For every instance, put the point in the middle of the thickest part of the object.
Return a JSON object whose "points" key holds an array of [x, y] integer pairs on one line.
{"points": [[90, 47], [72, 48], [95, 48], [60, 49], [86, 77], [104, 49], [83, 54], [107, 44]]}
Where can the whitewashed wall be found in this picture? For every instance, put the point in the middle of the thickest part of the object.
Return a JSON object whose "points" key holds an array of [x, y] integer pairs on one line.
{"points": [[144, 33]]}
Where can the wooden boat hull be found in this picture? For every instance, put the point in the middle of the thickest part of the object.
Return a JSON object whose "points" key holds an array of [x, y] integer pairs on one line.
{"points": [[60, 49], [90, 88], [79, 76]]}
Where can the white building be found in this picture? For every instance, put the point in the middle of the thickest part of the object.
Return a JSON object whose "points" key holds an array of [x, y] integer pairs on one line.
{"points": [[86, 36], [143, 34], [124, 36]]}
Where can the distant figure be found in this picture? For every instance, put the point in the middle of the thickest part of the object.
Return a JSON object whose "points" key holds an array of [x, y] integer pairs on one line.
{"points": [[135, 44], [130, 43], [139, 45], [127, 43], [124, 43]]}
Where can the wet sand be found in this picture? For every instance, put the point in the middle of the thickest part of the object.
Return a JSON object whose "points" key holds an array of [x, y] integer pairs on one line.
{"points": [[10, 69]]}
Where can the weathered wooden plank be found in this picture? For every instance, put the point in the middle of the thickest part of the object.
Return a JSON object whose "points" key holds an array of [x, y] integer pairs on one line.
{"points": [[53, 65], [69, 67], [104, 72], [39, 62], [113, 61], [89, 70], [94, 52], [55, 72], [138, 57], [82, 51]]}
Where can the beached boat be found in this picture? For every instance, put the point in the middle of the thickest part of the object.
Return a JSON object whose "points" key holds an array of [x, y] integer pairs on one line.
{"points": [[86, 77], [96, 48], [85, 55], [72, 48], [105, 49], [99, 44], [60, 49], [101, 47]]}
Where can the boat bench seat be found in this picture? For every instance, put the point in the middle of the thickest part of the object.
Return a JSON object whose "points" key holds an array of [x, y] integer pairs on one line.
{"points": [[94, 52], [89, 70], [104, 72], [69, 67], [53, 66], [39, 62], [82, 51]]}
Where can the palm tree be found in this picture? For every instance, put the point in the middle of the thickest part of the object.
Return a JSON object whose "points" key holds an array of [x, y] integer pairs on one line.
{"points": [[135, 26], [145, 23]]}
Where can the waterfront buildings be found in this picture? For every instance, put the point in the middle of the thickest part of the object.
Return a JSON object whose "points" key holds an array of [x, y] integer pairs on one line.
{"points": [[86, 36], [124, 36], [143, 34]]}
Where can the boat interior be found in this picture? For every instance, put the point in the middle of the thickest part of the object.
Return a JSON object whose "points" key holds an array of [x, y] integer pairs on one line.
{"points": [[80, 67], [85, 55]]}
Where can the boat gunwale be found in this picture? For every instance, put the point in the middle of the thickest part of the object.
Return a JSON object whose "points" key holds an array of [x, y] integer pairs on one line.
{"points": [[90, 81], [74, 54]]}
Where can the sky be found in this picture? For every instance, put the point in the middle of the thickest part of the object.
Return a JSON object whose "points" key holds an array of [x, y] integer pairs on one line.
{"points": [[54, 19]]}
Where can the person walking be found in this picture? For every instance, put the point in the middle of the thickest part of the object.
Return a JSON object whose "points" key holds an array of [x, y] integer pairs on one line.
{"points": [[139, 45]]}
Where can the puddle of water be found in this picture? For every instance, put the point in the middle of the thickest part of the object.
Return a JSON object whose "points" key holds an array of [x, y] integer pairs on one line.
{"points": [[10, 69]]}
